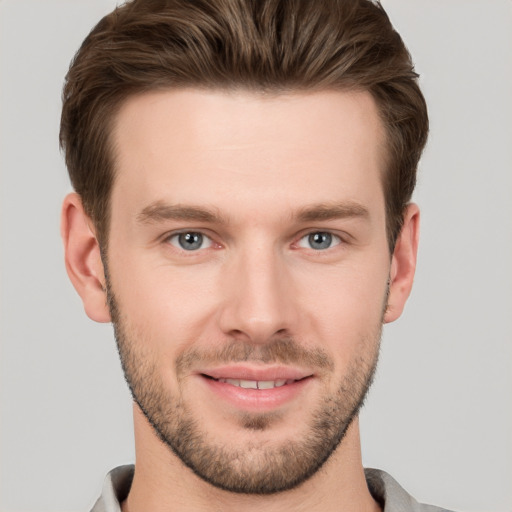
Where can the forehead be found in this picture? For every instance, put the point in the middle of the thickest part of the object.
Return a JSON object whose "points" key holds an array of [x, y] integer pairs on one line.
{"points": [[243, 150]]}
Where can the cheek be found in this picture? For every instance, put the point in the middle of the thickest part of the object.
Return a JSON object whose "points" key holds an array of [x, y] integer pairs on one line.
{"points": [[345, 313], [348, 294], [174, 306], [160, 300]]}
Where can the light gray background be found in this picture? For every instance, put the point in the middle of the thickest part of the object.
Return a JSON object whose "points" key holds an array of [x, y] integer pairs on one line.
{"points": [[439, 417]]}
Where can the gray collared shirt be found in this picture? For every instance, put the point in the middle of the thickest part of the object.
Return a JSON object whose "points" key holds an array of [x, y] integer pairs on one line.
{"points": [[384, 488]]}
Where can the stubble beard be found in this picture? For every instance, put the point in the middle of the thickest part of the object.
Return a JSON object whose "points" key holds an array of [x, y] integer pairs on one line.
{"points": [[254, 468]]}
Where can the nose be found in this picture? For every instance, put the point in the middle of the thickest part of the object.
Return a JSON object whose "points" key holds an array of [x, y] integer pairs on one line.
{"points": [[259, 299]]}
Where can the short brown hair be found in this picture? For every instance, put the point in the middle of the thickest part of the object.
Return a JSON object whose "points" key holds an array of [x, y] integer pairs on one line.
{"points": [[264, 45]]}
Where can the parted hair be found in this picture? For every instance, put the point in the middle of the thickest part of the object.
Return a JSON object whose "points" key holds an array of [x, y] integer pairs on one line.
{"points": [[278, 46]]}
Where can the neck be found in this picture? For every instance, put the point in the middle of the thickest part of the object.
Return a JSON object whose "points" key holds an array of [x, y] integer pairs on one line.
{"points": [[163, 483]]}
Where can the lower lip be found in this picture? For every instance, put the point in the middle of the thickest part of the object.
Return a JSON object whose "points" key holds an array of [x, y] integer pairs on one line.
{"points": [[261, 400]]}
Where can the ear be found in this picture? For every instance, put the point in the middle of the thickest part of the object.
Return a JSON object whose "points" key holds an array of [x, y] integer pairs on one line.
{"points": [[403, 264], [83, 258]]}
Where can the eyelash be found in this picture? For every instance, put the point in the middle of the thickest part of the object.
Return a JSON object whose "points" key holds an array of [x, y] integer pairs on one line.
{"points": [[169, 239], [336, 239], [333, 239]]}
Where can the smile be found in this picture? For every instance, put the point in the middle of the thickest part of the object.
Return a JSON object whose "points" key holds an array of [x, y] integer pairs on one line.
{"points": [[257, 384], [256, 390]]}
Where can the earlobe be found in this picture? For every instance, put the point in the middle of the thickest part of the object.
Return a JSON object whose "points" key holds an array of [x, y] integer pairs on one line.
{"points": [[83, 258], [403, 264]]}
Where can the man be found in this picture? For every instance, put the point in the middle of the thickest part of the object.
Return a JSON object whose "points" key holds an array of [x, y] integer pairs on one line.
{"points": [[243, 172]]}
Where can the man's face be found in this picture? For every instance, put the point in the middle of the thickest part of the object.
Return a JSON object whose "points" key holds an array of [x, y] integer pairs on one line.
{"points": [[248, 268]]}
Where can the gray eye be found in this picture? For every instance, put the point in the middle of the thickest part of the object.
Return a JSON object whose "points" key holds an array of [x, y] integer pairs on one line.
{"points": [[319, 240], [190, 241]]}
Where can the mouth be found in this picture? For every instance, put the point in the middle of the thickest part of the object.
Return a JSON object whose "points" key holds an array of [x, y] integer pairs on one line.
{"points": [[255, 384], [256, 389]]}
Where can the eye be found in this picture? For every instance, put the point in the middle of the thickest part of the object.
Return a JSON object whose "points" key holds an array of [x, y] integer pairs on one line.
{"points": [[319, 241], [190, 241]]}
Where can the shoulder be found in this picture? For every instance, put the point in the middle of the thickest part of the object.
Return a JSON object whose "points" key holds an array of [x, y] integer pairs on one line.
{"points": [[392, 496], [115, 489]]}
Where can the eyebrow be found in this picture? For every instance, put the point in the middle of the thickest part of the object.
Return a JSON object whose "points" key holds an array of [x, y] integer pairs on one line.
{"points": [[330, 211], [161, 211]]}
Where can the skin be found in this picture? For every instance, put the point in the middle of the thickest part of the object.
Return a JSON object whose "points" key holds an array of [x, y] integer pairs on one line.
{"points": [[257, 162]]}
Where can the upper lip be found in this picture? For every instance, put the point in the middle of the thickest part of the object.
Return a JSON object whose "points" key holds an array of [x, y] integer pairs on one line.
{"points": [[267, 373]]}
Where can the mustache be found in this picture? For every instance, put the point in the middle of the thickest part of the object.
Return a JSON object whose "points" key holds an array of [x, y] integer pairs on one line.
{"points": [[280, 350]]}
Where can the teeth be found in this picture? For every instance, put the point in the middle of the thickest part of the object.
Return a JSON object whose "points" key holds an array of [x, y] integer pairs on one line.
{"points": [[249, 384], [266, 384], [257, 384]]}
